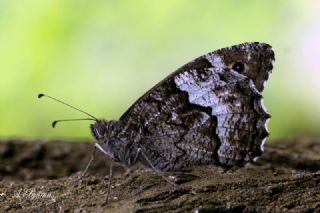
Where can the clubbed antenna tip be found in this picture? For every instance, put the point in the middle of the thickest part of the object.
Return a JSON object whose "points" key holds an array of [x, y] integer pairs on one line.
{"points": [[40, 95], [54, 124]]}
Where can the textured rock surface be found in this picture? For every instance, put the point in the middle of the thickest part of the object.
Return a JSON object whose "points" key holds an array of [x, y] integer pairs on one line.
{"points": [[37, 176]]}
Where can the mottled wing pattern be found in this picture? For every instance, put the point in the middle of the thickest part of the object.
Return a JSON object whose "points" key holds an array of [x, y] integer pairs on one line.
{"points": [[174, 133], [236, 105], [205, 112]]}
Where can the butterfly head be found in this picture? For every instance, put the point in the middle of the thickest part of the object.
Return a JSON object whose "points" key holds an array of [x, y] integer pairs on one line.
{"points": [[107, 135], [102, 129]]}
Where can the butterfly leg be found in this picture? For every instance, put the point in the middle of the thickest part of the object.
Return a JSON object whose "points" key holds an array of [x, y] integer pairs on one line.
{"points": [[136, 157], [89, 164], [109, 186], [96, 145], [132, 164], [154, 168]]}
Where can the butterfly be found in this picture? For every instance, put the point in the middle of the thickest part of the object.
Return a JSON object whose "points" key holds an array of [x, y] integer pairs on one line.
{"points": [[209, 111]]}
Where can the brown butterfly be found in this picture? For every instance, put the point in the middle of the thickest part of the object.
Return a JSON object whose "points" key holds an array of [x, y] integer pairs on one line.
{"points": [[209, 111]]}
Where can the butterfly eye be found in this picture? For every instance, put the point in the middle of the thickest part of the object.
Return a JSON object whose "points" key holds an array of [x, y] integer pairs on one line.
{"points": [[238, 66]]}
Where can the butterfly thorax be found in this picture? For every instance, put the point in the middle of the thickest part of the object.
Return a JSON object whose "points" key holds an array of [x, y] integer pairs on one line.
{"points": [[119, 149]]}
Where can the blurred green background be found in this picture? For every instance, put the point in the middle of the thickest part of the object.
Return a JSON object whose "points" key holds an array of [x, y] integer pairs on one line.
{"points": [[102, 55]]}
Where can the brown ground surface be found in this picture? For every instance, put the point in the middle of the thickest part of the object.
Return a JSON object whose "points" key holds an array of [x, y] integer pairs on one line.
{"points": [[41, 177]]}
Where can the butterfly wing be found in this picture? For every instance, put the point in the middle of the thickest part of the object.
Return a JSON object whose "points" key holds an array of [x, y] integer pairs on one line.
{"points": [[205, 112]]}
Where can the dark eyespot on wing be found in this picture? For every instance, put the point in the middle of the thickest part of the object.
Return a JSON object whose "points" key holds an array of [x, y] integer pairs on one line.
{"points": [[238, 67]]}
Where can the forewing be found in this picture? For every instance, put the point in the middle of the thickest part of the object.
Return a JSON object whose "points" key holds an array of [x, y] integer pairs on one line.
{"points": [[205, 112]]}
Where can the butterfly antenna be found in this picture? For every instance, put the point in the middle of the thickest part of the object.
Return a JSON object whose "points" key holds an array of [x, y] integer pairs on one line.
{"points": [[64, 103]]}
